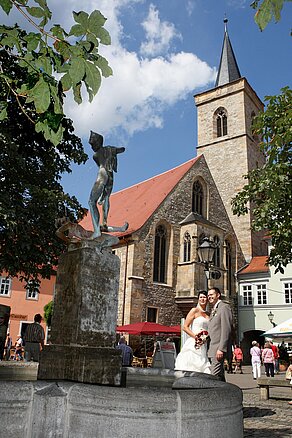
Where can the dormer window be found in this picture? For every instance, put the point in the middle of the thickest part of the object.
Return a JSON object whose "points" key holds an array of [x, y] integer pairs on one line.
{"points": [[221, 122]]}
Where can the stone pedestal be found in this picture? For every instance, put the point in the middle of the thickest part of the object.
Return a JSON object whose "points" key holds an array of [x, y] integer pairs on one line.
{"points": [[84, 319]]}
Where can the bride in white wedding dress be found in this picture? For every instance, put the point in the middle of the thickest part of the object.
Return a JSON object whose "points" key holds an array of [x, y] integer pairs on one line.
{"points": [[191, 358]]}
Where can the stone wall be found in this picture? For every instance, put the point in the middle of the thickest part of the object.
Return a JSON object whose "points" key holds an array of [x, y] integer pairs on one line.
{"points": [[174, 209]]}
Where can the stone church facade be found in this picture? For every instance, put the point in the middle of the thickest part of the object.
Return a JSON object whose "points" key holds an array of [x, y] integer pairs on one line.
{"points": [[170, 214]]}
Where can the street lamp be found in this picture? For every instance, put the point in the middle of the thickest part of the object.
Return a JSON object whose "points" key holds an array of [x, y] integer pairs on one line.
{"points": [[206, 253], [271, 318]]}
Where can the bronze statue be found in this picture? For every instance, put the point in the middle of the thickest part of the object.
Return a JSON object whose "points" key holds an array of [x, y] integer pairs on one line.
{"points": [[73, 233], [106, 158]]}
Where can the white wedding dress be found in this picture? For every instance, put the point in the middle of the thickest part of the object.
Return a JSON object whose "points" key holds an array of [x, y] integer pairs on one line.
{"points": [[191, 358]]}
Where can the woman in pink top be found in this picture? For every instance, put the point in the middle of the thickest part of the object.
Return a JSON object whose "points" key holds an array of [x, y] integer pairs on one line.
{"points": [[268, 359]]}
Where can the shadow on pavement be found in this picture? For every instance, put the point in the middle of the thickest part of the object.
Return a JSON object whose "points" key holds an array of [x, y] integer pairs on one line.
{"points": [[268, 432], [253, 412]]}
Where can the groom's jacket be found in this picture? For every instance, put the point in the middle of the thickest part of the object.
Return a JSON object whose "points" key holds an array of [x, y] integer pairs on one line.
{"points": [[219, 327]]}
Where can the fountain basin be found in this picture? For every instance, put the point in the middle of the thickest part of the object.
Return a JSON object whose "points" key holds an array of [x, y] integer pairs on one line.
{"points": [[154, 403]]}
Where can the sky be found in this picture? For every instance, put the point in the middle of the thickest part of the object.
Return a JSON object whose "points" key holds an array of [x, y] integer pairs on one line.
{"points": [[163, 52]]}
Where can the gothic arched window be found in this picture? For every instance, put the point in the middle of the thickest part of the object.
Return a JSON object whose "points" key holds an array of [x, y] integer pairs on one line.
{"points": [[216, 258], [221, 122], [228, 265], [159, 268], [198, 194], [187, 247]]}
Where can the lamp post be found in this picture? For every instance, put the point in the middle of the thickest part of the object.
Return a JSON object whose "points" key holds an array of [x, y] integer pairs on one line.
{"points": [[271, 317], [206, 253]]}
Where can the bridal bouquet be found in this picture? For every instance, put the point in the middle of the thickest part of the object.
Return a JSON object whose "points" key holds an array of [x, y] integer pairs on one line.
{"points": [[201, 338]]}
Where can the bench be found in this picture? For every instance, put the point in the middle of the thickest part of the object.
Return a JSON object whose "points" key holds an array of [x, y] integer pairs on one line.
{"points": [[265, 383]]}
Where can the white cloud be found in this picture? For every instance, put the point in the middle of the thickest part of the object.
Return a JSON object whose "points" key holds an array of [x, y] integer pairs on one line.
{"points": [[159, 34], [140, 90]]}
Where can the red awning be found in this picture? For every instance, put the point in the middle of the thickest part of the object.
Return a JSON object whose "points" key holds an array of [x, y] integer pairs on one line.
{"points": [[148, 328]]}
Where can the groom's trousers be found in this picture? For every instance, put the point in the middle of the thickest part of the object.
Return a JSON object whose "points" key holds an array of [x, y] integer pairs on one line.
{"points": [[217, 368]]}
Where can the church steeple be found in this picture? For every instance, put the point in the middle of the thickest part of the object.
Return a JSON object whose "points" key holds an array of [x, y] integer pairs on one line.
{"points": [[228, 68]]}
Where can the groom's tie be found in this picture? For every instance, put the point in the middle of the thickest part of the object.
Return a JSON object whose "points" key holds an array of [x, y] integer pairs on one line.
{"points": [[214, 310]]}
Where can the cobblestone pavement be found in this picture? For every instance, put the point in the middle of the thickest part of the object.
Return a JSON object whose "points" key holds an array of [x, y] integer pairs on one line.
{"points": [[264, 418], [270, 418]]}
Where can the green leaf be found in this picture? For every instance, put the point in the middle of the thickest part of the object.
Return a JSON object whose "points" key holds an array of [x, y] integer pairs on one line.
{"points": [[3, 113], [43, 63], [81, 18], [92, 77], [66, 82], [40, 95], [77, 30], [104, 67], [95, 22], [36, 12], [42, 3], [77, 93], [58, 101], [104, 36], [58, 31], [63, 48], [6, 5], [32, 40], [77, 70], [266, 11], [90, 37], [56, 137], [54, 120]]}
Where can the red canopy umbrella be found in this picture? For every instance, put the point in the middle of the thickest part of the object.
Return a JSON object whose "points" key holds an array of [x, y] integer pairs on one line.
{"points": [[147, 328]]}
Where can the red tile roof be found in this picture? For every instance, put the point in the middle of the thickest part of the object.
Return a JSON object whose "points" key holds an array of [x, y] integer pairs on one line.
{"points": [[138, 202], [257, 264]]}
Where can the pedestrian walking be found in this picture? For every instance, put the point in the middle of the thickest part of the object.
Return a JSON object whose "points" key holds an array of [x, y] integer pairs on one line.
{"points": [[268, 359], [276, 356], [238, 357], [18, 348], [255, 353], [34, 337], [127, 352]]}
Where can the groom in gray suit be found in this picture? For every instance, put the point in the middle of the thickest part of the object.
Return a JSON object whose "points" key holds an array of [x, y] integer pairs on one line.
{"points": [[219, 327]]}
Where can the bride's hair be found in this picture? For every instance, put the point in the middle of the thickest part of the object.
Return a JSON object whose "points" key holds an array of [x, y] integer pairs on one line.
{"points": [[202, 292]]}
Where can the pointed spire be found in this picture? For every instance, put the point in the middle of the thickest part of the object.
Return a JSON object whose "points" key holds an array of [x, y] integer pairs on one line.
{"points": [[228, 68]]}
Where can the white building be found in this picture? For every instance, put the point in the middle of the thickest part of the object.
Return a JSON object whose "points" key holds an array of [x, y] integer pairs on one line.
{"points": [[262, 292]]}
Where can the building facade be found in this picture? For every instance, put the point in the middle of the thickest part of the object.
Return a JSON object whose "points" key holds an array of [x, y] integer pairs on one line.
{"points": [[24, 302], [169, 215], [263, 295]]}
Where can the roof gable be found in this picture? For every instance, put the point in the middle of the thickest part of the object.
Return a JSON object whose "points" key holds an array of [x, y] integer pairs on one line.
{"points": [[257, 264], [137, 203]]}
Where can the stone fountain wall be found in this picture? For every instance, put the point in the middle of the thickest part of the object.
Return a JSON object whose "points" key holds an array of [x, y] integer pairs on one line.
{"points": [[150, 406]]}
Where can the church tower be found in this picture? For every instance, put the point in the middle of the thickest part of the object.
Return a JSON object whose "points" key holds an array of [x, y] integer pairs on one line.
{"points": [[225, 115]]}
